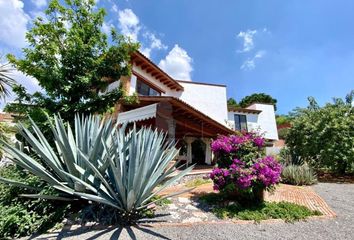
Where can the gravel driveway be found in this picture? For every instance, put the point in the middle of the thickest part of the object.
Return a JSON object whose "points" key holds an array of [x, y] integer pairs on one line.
{"points": [[340, 198]]}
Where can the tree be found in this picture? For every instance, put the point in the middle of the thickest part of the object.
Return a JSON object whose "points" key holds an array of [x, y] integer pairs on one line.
{"points": [[73, 60], [6, 81], [282, 120], [324, 136], [231, 102], [258, 98]]}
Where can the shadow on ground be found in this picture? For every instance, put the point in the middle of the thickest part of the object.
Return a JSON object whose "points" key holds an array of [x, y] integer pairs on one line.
{"points": [[94, 232]]}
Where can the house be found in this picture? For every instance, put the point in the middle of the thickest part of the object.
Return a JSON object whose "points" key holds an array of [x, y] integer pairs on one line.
{"points": [[191, 113]]}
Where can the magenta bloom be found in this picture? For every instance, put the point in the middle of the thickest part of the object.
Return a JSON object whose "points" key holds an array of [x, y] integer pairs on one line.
{"points": [[259, 142], [243, 174]]}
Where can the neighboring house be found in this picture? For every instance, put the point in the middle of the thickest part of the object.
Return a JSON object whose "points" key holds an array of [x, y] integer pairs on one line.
{"points": [[191, 113]]}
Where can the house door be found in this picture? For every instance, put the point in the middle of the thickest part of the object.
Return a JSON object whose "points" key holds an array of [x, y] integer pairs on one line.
{"points": [[198, 152]]}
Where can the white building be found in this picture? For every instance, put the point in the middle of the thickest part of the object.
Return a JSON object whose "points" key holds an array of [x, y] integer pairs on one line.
{"points": [[191, 113], [259, 117]]}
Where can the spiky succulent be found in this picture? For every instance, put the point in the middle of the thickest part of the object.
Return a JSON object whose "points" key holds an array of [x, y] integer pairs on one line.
{"points": [[99, 161]]}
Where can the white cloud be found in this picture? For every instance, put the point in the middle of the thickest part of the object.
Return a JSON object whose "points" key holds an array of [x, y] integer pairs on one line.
{"points": [[247, 38], [115, 8], [250, 63], [129, 24], [106, 27], [154, 43], [13, 23], [178, 64], [39, 3]]}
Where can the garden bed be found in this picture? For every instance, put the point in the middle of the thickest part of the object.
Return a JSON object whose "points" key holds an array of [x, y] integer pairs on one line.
{"points": [[202, 204]]}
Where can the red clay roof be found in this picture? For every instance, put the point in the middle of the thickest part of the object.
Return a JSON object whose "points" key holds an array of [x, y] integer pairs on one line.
{"points": [[177, 102], [150, 67]]}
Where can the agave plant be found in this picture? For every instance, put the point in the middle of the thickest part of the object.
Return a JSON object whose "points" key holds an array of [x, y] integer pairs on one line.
{"points": [[99, 162]]}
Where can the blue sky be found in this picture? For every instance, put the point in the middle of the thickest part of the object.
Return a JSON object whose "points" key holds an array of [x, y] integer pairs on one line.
{"points": [[288, 49]]}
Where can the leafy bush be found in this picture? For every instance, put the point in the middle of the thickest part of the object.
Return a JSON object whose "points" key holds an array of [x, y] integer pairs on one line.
{"points": [[283, 132], [22, 216], [5, 134], [298, 175], [242, 169], [324, 136], [100, 162]]}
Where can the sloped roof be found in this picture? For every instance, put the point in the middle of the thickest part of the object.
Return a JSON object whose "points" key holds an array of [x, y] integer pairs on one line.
{"points": [[243, 110], [150, 67]]}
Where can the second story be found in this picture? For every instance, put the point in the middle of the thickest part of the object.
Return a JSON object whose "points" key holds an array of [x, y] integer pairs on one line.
{"points": [[258, 117], [148, 79]]}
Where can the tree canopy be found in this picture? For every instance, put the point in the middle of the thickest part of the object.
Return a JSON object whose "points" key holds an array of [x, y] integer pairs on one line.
{"points": [[258, 98], [232, 102], [73, 60]]}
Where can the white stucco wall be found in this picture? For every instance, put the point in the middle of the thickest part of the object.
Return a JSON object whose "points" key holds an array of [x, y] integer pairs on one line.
{"points": [[264, 122], [209, 99], [266, 119]]}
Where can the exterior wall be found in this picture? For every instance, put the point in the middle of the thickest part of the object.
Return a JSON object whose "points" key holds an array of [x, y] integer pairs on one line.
{"points": [[209, 99], [264, 122], [252, 121]]}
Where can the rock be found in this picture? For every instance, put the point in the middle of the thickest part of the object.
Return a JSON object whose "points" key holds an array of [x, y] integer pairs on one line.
{"points": [[175, 215], [184, 200], [200, 215], [190, 207], [192, 220], [172, 206]]}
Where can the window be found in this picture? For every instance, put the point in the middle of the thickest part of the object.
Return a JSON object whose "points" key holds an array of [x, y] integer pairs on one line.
{"points": [[144, 89], [240, 122]]}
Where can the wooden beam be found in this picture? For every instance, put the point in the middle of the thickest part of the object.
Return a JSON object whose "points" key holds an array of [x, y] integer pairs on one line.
{"points": [[193, 127]]}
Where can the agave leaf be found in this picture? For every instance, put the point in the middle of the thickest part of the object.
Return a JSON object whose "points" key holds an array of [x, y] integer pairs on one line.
{"points": [[99, 175], [97, 199], [166, 184], [18, 184], [49, 197]]}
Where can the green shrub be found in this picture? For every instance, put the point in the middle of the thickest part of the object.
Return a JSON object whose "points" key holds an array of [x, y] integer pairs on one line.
{"points": [[22, 216], [283, 132], [298, 175], [324, 136]]}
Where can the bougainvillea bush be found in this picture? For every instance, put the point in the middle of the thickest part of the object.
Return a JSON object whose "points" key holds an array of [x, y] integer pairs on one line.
{"points": [[243, 169]]}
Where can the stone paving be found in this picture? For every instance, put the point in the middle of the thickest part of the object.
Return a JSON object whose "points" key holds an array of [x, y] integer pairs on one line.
{"points": [[185, 208]]}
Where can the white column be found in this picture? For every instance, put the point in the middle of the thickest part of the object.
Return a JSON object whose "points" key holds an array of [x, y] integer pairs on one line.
{"points": [[189, 141], [208, 153]]}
